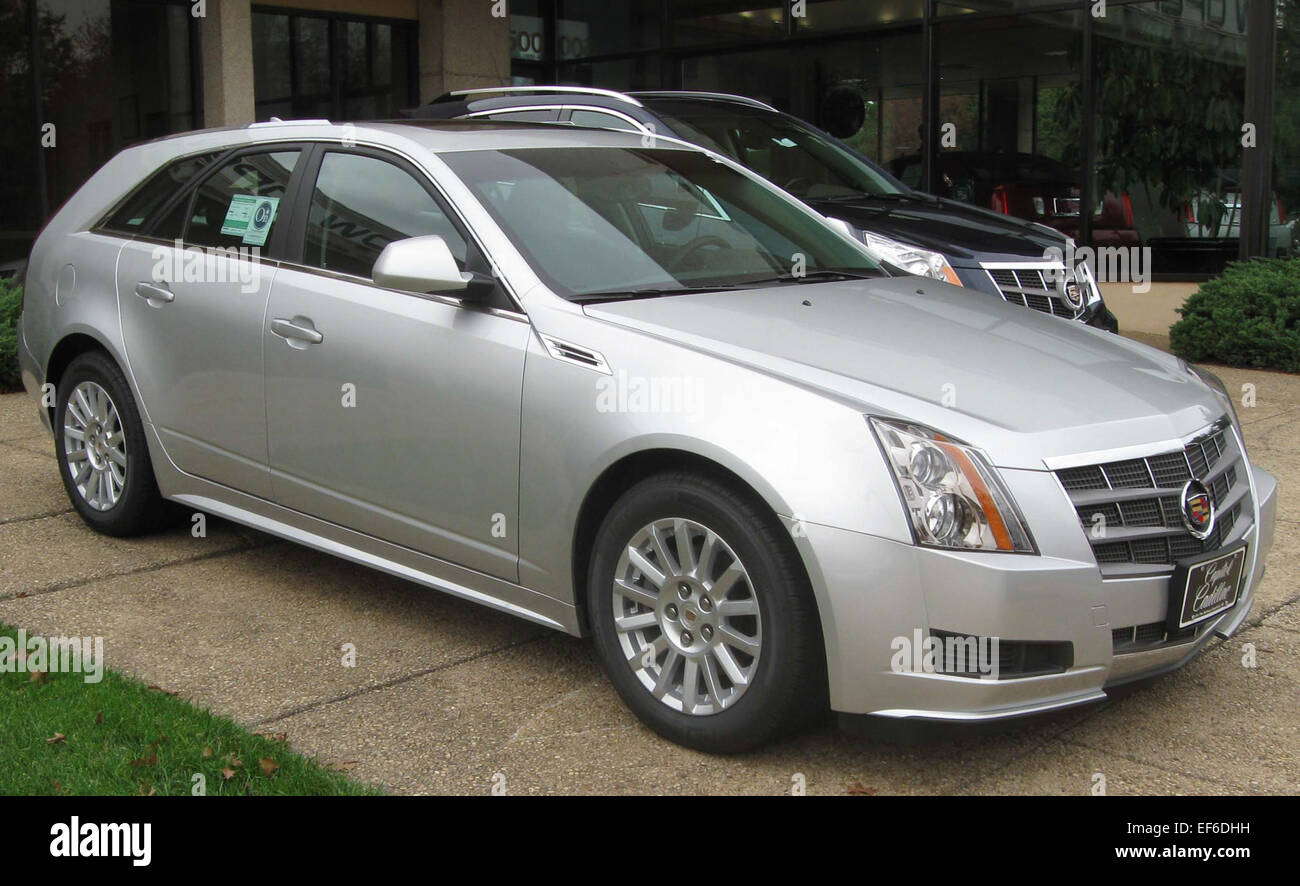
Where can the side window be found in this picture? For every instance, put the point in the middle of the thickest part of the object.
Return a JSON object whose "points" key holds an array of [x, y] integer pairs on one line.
{"points": [[600, 120], [360, 205], [239, 203], [541, 115], [139, 209]]}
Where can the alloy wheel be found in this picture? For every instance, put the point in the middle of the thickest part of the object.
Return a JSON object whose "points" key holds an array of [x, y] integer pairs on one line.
{"points": [[94, 446], [687, 616]]}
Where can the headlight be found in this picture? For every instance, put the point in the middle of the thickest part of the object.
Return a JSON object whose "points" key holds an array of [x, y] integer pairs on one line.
{"points": [[1215, 382], [953, 496], [1085, 278], [912, 259]]}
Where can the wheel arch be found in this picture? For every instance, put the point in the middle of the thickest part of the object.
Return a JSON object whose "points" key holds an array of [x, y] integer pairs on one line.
{"points": [[70, 347], [626, 472]]}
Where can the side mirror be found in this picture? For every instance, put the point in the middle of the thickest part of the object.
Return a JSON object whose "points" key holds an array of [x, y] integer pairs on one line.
{"points": [[419, 264]]}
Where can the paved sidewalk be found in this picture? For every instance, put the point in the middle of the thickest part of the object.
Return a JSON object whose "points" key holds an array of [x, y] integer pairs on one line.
{"points": [[446, 695]]}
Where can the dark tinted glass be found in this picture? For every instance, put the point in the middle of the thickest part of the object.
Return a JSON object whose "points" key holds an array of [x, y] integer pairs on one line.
{"points": [[360, 205], [224, 211], [140, 209], [540, 116]]}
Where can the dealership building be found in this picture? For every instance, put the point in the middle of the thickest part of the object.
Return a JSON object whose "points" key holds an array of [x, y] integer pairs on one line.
{"points": [[1186, 110]]}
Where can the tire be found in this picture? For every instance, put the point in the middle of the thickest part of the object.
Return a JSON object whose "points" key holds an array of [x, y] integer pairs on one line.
{"points": [[762, 617], [110, 480]]}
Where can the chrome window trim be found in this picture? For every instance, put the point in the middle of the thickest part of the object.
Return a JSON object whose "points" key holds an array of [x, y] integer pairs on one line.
{"points": [[450, 300]]}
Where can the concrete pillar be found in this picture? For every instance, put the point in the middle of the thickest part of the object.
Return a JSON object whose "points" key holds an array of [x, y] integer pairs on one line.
{"points": [[463, 45], [227, 38]]}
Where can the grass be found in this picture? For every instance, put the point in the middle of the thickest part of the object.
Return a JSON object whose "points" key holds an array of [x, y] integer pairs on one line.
{"points": [[61, 735]]}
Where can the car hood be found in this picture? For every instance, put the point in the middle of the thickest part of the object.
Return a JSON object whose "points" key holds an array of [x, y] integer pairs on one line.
{"points": [[965, 234], [1021, 385]]}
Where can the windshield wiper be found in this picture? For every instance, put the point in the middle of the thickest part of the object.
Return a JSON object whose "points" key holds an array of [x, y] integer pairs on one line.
{"points": [[819, 275], [866, 195], [631, 294]]}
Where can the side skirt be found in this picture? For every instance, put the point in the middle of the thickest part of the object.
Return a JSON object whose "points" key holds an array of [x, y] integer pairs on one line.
{"points": [[222, 501]]}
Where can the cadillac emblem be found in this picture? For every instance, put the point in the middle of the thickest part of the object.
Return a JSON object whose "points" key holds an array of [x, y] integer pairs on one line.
{"points": [[1198, 509], [1073, 294]]}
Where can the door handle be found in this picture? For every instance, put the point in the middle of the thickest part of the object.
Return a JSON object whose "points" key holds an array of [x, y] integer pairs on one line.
{"points": [[297, 329], [152, 292]]}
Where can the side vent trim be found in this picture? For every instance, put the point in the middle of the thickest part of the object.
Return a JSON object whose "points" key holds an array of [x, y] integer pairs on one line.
{"points": [[576, 354]]}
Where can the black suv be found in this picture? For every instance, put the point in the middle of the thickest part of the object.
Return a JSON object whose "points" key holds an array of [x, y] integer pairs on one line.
{"points": [[910, 231]]}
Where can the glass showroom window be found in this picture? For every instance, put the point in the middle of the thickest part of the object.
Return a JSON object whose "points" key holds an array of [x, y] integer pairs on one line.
{"points": [[333, 67]]}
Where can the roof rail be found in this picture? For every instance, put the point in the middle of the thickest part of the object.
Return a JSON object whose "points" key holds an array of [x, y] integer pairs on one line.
{"points": [[276, 121], [507, 90], [673, 93]]}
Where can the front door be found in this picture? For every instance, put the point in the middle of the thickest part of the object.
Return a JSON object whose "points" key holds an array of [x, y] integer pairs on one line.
{"points": [[391, 413]]}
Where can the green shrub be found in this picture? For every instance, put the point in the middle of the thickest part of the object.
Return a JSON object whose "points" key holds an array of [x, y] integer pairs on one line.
{"points": [[1249, 316], [11, 305]]}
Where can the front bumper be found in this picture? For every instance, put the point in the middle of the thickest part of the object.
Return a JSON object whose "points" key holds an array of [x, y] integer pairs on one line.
{"points": [[874, 593]]}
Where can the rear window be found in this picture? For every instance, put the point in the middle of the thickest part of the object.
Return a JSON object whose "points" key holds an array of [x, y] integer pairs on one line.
{"points": [[139, 210]]}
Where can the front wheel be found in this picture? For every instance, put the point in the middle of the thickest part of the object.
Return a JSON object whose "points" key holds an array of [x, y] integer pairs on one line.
{"points": [[702, 615]]}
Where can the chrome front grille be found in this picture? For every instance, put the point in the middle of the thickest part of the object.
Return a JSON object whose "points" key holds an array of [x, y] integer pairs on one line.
{"points": [[1131, 510], [1032, 286]]}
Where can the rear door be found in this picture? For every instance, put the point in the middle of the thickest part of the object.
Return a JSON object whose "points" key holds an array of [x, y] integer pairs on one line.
{"points": [[192, 293], [391, 413]]}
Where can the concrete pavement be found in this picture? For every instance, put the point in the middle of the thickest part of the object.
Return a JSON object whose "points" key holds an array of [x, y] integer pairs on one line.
{"points": [[448, 697]]}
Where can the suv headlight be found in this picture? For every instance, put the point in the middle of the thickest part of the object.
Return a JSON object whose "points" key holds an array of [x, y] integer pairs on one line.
{"points": [[912, 259], [953, 496], [1219, 387], [1084, 277]]}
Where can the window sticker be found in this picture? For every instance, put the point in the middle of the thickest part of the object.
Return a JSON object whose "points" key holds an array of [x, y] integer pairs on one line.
{"points": [[249, 218]]}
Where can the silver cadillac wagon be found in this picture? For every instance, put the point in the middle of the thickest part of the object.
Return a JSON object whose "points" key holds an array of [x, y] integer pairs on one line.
{"points": [[622, 387]]}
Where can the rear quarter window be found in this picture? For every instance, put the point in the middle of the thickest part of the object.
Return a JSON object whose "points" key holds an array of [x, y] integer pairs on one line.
{"points": [[141, 208]]}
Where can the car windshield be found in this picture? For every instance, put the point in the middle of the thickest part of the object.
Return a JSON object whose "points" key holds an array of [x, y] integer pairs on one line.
{"points": [[804, 162], [625, 222]]}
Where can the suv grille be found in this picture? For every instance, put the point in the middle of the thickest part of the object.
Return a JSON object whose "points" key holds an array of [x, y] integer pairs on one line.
{"points": [[1030, 288], [1132, 510]]}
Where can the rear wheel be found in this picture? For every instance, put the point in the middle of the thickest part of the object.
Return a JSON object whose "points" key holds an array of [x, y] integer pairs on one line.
{"points": [[702, 615], [100, 445]]}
